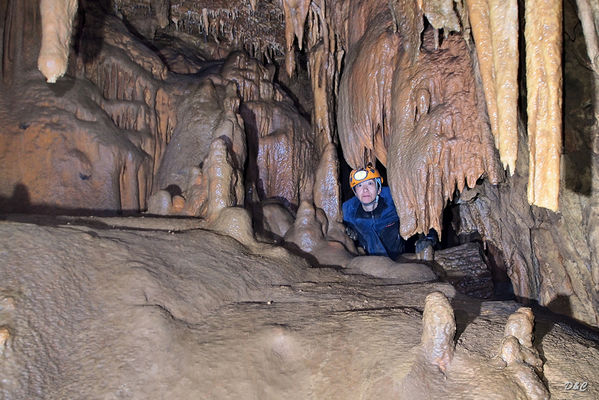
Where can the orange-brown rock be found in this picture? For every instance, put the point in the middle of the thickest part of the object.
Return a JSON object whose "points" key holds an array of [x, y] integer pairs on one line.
{"points": [[365, 92], [68, 156], [436, 146], [57, 22], [281, 153], [90, 142], [544, 100]]}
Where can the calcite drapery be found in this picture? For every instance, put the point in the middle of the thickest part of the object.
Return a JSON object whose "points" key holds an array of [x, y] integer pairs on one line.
{"points": [[437, 146], [376, 39], [364, 107], [408, 109]]}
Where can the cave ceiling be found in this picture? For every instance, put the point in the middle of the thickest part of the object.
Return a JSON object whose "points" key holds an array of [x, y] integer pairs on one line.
{"points": [[337, 36]]}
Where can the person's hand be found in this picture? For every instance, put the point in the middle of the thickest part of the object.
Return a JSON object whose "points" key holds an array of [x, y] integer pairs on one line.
{"points": [[349, 231], [422, 243], [424, 248]]}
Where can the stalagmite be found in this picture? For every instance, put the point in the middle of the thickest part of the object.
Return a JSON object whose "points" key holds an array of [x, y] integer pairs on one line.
{"points": [[327, 192], [517, 354], [308, 230], [438, 330], [57, 23], [225, 187], [520, 325], [495, 29], [543, 33]]}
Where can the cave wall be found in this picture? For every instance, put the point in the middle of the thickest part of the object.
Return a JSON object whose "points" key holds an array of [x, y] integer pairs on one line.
{"points": [[93, 140], [417, 124]]}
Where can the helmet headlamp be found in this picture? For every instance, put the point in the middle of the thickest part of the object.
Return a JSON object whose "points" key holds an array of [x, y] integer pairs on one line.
{"points": [[360, 175]]}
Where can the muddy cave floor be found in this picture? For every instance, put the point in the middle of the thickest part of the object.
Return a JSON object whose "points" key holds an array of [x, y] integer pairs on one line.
{"points": [[160, 308]]}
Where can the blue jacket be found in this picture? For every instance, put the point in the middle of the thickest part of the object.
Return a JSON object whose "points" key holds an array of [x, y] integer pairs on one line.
{"points": [[378, 230]]}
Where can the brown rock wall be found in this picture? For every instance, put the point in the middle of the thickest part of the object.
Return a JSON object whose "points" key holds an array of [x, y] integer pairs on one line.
{"points": [[90, 143], [441, 141], [65, 163], [282, 157], [22, 30]]}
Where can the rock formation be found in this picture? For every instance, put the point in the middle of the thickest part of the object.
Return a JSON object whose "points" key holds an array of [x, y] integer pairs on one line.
{"points": [[160, 308], [437, 360], [57, 24], [191, 108]]}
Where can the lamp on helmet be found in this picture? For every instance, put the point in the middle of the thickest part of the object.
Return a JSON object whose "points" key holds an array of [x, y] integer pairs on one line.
{"points": [[360, 175]]}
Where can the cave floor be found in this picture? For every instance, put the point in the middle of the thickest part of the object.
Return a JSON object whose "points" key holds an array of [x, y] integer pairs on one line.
{"points": [[159, 308]]}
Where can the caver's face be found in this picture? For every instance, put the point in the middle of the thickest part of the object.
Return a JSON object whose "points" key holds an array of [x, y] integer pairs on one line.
{"points": [[367, 191]]}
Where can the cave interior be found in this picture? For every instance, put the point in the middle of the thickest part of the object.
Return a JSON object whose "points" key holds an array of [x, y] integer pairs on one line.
{"points": [[245, 118]]}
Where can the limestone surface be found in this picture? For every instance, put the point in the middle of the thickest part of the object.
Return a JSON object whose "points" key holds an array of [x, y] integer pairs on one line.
{"points": [[157, 308]]}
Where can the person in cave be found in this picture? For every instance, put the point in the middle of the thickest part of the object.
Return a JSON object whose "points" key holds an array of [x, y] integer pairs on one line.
{"points": [[371, 219]]}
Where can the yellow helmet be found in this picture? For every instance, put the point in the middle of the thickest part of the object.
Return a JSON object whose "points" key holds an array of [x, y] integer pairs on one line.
{"points": [[364, 174]]}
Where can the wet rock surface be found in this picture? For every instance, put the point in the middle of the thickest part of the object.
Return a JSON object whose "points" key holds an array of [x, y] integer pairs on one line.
{"points": [[158, 308]]}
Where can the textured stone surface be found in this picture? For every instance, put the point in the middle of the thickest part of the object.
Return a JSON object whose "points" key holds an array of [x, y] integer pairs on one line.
{"points": [[466, 269], [156, 308], [94, 141]]}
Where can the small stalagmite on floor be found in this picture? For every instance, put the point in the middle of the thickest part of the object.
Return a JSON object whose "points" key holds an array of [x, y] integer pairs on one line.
{"points": [[441, 370]]}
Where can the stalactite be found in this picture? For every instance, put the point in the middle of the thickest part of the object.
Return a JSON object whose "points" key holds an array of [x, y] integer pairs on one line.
{"points": [[322, 68], [441, 15], [495, 30], [504, 28], [543, 33], [296, 12], [57, 23], [481, 30], [161, 11], [165, 123]]}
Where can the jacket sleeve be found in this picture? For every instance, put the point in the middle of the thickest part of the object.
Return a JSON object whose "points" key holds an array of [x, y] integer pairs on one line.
{"points": [[392, 240]]}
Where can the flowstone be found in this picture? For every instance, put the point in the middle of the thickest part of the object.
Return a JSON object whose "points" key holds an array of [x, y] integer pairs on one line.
{"points": [[159, 308]]}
